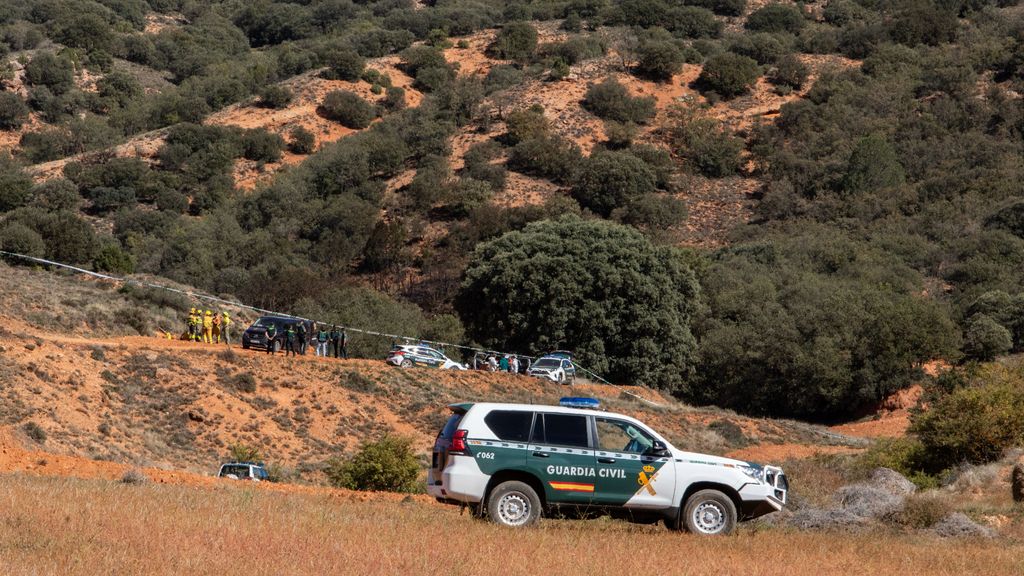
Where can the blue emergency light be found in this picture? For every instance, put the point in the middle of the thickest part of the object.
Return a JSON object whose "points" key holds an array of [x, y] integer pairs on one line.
{"points": [[579, 402]]}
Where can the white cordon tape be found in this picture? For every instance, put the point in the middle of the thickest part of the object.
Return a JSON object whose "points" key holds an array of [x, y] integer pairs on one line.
{"points": [[199, 296]]}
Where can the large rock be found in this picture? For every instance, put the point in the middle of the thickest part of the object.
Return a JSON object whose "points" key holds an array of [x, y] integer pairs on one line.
{"points": [[958, 525], [892, 482], [867, 501]]}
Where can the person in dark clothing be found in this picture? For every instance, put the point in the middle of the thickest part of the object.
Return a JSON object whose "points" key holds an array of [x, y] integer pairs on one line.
{"points": [[336, 341], [343, 342], [289, 340], [271, 335], [300, 335]]}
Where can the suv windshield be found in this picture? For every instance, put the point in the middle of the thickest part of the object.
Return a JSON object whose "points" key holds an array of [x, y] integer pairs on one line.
{"points": [[546, 363], [263, 323], [240, 470]]}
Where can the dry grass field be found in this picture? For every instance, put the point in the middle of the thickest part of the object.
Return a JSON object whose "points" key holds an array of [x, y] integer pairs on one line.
{"points": [[73, 526]]}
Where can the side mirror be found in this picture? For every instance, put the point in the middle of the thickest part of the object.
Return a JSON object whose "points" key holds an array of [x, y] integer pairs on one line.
{"points": [[658, 450]]}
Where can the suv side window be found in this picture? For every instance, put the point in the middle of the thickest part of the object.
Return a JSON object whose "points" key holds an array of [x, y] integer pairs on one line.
{"points": [[566, 430], [510, 425], [622, 436]]}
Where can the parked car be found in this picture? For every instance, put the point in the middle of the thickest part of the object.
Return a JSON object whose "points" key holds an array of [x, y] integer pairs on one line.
{"points": [[407, 356], [514, 463], [255, 336], [556, 366], [244, 471]]}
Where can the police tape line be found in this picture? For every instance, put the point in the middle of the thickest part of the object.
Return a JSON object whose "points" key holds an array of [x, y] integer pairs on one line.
{"points": [[207, 297]]}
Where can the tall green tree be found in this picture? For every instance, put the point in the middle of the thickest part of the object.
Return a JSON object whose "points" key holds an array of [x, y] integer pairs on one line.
{"points": [[594, 287]]}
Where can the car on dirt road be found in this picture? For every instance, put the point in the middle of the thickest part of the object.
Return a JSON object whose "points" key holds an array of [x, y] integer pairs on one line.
{"points": [[556, 366], [514, 463], [253, 471], [407, 356]]}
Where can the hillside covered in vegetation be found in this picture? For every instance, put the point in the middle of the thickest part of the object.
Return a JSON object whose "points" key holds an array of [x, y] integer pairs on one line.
{"points": [[785, 208]]}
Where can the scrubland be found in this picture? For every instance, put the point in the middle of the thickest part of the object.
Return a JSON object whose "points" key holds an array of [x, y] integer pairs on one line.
{"points": [[72, 526]]}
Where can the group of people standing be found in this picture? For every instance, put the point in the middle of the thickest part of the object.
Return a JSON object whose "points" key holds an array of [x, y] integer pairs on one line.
{"points": [[507, 363], [208, 327], [295, 339]]}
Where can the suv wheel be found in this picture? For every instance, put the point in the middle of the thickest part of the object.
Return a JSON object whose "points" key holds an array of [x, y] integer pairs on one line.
{"points": [[513, 504], [709, 513], [406, 363]]}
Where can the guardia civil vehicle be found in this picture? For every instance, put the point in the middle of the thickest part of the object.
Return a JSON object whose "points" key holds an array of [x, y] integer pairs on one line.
{"points": [[515, 462]]}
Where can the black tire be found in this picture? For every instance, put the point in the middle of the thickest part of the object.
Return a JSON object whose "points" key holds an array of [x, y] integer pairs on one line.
{"points": [[514, 504], [245, 345], [709, 513], [406, 363]]}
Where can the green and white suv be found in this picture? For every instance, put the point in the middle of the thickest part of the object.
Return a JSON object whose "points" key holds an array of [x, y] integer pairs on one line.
{"points": [[515, 462]]}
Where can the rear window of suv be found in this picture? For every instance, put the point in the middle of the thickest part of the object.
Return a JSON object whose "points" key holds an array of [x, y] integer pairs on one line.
{"points": [[510, 425], [450, 426]]}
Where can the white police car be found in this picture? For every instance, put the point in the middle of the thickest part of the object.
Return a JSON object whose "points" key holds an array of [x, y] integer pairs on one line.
{"points": [[515, 462]]}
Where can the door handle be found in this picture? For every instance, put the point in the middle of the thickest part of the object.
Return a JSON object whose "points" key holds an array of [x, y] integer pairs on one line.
{"points": [[606, 460], [541, 455]]}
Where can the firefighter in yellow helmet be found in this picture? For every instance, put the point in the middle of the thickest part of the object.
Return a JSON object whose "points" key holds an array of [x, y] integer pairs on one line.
{"points": [[188, 324], [225, 328], [193, 325], [208, 327], [216, 328]]}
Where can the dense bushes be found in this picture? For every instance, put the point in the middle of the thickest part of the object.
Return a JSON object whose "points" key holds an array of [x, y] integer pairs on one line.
{"points": [[659, 60], [728, 74], [974, 423], [594, 287], [824, 326], [386, 465], [707, 145], [515, 41], [348, 109], [609, 180], [776, 18], [612, 101], [13, 111]]}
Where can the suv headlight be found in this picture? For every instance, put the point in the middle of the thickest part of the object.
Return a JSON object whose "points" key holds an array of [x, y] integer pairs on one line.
{"points": [[755, 473]]}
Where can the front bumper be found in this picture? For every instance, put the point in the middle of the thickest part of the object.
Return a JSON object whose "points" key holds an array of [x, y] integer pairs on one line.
{"points": [[767, 496]]}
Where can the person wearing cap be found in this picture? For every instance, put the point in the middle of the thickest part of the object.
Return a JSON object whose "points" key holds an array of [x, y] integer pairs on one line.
{"points": [[290, 337], [513, 365], [208, 327], [225, 325]]}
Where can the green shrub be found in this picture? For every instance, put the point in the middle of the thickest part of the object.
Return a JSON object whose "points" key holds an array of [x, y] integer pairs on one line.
{"points": [[984, 338], [612, 101], [343, 63], [789, 71], [576, 49], [708, 146], [348, 109], [609, 180], [13, 111], [776, 18], [873, 165], [20, 239], [551, 157], [15, 185], [728, 74], [244, 382], [515, 41], [275, 96], [49, 70], [387, 465], [526, 124], [764, 48], [974, 424], [112, 258], [501, 77], [301, 141], [652, 212], [394, 98], [261, 145], [659, 60]]}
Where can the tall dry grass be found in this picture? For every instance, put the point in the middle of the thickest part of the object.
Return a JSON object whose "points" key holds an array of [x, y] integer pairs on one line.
{"points": [[69, 526]]}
